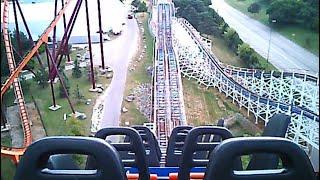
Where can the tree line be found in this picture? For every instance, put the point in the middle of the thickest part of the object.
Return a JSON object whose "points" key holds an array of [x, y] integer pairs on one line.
{"points": [[207, 21], [301, 12]]}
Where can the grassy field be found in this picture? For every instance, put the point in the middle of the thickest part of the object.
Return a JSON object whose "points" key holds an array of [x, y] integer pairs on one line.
{"points": [[139, 74], [297, 33]]}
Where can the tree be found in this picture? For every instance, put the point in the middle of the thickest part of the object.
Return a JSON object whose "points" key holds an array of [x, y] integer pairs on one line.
{"points": [[244, 52], [41, 77], [254, 8], [254, 60], [232, 38], [76, 71], [284, 11], [207, 24], [78, 95]]}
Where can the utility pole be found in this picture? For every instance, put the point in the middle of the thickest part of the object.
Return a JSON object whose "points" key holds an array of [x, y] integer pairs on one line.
{"points": [[273, 21]]}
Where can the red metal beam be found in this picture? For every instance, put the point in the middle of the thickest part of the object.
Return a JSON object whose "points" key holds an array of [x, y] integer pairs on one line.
{"points": [[43, 38]]}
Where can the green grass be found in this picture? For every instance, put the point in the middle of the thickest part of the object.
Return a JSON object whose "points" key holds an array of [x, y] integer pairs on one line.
{"points": [[53, 120], [302, 36], [8, 169], [223, 52], [140, 73]]}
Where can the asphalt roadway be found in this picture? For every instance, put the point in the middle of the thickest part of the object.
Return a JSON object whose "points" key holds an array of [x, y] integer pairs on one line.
{"points": [[118, 53], [284, 54]]}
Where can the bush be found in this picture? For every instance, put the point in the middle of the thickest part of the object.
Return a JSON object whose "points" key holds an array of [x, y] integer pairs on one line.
{"points": [[254, 8], [75, 128], [41, 77], [245, 52], [254, 60], [76, 71], [78, 95], [232, 38]]}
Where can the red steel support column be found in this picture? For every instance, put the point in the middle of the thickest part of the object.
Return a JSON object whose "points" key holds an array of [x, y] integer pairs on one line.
{"points": [[65, 27], [51, 81], [90, 48], [61, 82], [17, 28], [100, 32]]}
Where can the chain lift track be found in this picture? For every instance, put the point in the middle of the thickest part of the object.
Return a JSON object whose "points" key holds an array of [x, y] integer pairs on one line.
{"points": [[15, 153], [168, 97], [243, 86]]}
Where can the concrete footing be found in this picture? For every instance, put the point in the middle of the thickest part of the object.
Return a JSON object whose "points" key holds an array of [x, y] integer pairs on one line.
{"points": [[54, 108]]}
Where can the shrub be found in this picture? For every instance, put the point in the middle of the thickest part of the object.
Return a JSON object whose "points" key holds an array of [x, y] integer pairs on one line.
{"points": [[76, 71], [244, 52], [41, 77]]}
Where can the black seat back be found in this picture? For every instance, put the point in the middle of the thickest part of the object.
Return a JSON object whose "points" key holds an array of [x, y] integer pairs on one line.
{"points": [[134, 146], [33, 165], [192, 146], [175, 145], [208, 138], [295, 161], [276, 127], [150, 144]]}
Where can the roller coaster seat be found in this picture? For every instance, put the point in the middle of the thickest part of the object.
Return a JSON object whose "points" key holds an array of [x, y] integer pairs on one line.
{"points": [[296, 164], [276, 127], [192, 145], [175, 145], [33, 165], [135, 145], [151, 145]]}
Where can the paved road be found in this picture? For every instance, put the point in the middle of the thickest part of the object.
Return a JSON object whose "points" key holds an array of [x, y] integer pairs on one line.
{"points": [[284, 54], [118, 54]]}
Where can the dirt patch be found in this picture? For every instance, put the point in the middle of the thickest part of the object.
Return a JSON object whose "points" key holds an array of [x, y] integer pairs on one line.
{"points": [[195, 107]]}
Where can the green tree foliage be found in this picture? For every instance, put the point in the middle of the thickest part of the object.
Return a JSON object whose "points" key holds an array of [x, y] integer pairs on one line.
{"points": [[76, 71], [254, 8], [75, 128], [232, 39], [26, 45], [295, 12], [78, 95], [244, 52], [41, 77], [254, 60]]}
